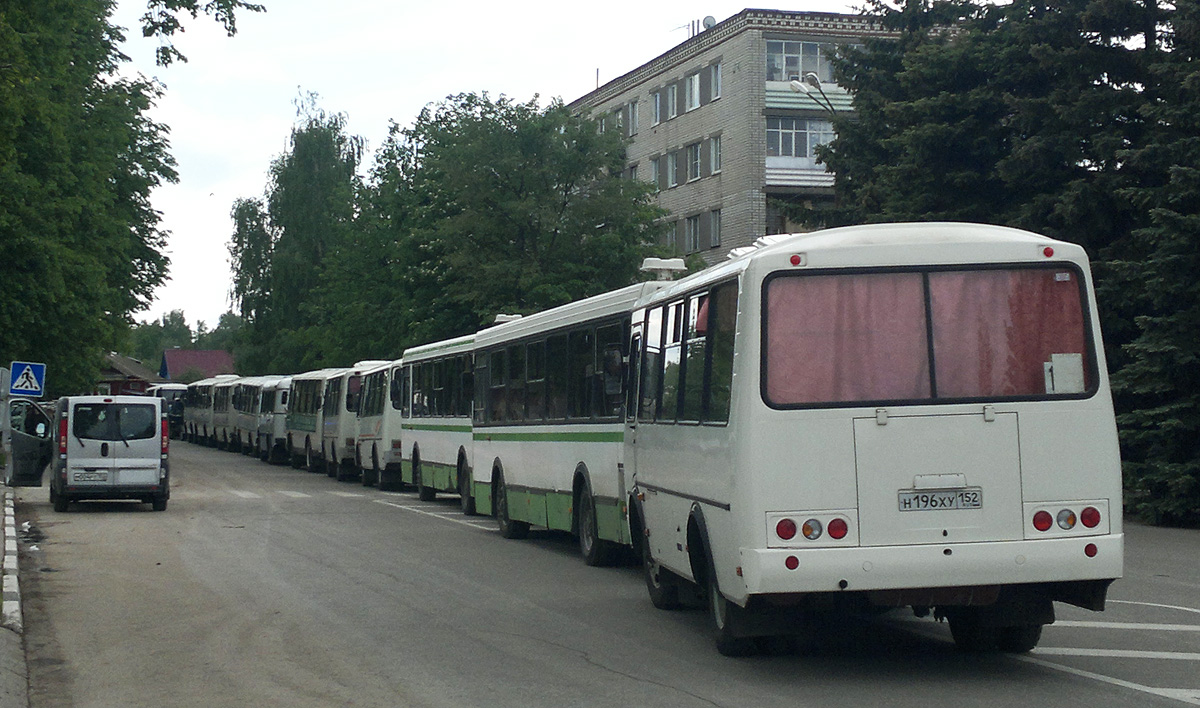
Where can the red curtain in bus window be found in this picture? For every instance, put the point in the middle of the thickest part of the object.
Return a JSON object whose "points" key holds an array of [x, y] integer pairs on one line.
{"points": [[842, 338], [993, 330]]}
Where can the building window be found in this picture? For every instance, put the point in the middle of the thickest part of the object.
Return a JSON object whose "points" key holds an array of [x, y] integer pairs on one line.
{"points": [[714, 154], [671, 235], [714, 228], [797, 137], [633, 172], [602, 124], [691, 92], [672, 101], [633, 118], [657, 98], [654, 173], [691, 233], [716, 81], [693, 161], [619, 118], [792, 60], [672, 169]]}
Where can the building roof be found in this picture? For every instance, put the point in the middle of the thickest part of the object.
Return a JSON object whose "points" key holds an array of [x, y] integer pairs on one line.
{"points": [[126, 367], [207, 362]]}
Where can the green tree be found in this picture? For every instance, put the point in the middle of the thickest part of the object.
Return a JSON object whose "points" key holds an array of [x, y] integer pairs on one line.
{"points": [[279, 254], [148, 341], [81, 248], [1160, 426], [516, 209], [162, 21]]}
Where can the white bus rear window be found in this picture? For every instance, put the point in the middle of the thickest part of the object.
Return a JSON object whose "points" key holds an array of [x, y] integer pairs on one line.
{"points": [[865, 337]]}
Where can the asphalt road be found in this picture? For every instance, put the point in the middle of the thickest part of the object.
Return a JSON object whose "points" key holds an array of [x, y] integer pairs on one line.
{"points": [[268, 586]]}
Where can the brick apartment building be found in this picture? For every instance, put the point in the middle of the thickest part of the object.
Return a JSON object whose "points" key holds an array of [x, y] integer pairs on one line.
{"points": [[717, 124]]}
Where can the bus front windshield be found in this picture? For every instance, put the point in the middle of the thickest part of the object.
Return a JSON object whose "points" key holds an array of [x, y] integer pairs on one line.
{"points": [[912, 336]]}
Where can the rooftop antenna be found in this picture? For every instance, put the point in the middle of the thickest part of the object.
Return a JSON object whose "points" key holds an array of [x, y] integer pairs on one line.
{"points": [[710, 22], [663, 268]]}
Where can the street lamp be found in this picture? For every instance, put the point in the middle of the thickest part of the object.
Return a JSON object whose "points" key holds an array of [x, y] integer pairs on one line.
{"points": [[810, 82]]}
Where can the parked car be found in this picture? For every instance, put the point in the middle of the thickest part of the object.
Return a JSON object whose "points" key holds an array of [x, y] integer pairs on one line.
{"points": [[111, 447]]}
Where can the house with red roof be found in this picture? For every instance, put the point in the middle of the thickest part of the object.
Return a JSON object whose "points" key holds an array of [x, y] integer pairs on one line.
{"points": [[187, 365]]}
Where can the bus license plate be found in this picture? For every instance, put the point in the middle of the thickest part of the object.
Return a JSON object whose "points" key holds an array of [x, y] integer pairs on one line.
{"points": [[91, 476], [940, 499]]}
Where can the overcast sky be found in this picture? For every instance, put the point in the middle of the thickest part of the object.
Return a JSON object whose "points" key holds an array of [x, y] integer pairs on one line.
{"points": [[231, 107]]}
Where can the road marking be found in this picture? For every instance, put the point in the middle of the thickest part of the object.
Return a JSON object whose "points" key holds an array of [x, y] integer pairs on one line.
{"points": [[1155, 604], [295, 495], [245, 495], [1118, 653], [1144, 626], [347, 495], [1182, 695], [463, 521]]}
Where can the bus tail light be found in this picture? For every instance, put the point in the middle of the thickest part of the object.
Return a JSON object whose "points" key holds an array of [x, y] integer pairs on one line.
{"points": [[838, 529], [786, 529], [1066, 519], [1090, 517], [1042, 521], [1090, 550]]}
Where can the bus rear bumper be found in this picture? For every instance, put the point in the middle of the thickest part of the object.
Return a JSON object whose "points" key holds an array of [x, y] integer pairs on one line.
{"points": [[840, 570]]}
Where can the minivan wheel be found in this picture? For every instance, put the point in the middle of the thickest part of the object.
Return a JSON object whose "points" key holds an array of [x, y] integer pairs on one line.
{"points": [[60, 502], [158, 503]]}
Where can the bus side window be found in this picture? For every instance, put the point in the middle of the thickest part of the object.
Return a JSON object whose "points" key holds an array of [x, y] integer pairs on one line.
{"points": [[497, 402], [672, 363], [651, 367], [694, 358], [722, 321], [608, 391], [631, 377], [482, 386], [535, 362], [516, 382], [556, 377]]}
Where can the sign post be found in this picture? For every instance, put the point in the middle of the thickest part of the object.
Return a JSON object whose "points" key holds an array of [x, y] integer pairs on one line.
{"points": [[27, 378]]}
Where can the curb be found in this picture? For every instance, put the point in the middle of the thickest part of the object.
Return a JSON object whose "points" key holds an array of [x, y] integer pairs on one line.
{"points": [[10, 610]]}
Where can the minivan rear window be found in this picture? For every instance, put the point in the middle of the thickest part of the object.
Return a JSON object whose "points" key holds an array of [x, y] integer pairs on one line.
{"points": [[114, 421]]}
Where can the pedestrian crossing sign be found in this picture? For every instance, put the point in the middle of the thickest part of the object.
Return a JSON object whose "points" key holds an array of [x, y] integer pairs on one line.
{"points": [[27, 379]]}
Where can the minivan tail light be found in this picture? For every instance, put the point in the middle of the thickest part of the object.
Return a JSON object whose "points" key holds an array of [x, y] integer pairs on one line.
{"points": [[166, 435], [62, 436]]}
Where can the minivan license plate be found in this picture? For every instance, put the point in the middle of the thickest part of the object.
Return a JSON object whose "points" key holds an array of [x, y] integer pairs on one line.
{"points": [[940, 499], [91, 476]]}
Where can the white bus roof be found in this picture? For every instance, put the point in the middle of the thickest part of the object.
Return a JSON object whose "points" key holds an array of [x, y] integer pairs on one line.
{"points": [[446, 346], [603, 305], [321, 374]]}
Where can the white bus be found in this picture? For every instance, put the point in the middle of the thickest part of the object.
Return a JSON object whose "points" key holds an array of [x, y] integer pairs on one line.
{"points": [[882, 416], [305, 422], [223, 430], [435, 389], [245, 402], [339, 425], [198, 409], [549, 420], [379, 422], [173, 395], [271, 440]]}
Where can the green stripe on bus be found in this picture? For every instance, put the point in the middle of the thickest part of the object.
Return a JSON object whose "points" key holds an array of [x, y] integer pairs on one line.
{"points": [[437, 428], [549, 437]]}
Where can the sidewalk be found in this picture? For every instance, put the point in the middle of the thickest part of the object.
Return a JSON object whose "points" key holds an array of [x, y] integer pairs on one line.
{"points": [[14, 681]]}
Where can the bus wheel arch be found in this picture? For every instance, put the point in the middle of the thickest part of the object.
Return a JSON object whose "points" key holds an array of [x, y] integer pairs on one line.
{"points": [[595, 550]]}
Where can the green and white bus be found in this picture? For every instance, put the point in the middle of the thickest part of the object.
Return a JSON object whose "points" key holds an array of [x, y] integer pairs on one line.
{"points": [[434, 389], [549, 421]]}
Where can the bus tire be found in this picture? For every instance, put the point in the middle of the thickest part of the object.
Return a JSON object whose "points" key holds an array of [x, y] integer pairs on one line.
{"points": [[508, 527], [466, 500], [661, 584], [970, 633], [424, 491], [310, 460], [595, 550], [1019, 639], [724, 616]]}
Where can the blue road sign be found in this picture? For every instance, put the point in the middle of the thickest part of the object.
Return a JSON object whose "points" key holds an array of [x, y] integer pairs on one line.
{"points": [[27, 379]]}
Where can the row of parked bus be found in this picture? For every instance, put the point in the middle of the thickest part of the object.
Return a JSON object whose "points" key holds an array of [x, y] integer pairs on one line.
{"points": [[906, 415]]}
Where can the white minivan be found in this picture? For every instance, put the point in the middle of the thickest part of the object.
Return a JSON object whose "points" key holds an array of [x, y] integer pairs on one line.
{"points": [[111, 447]]}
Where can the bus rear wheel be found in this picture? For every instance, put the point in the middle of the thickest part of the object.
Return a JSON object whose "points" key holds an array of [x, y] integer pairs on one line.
{"points": [[508, 527], [724, 616], [595, 550], [661, 584]]}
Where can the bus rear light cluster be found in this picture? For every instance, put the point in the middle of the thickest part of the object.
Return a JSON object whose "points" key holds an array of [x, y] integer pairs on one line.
{"points": [[788, 529], [1066, 519]]}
